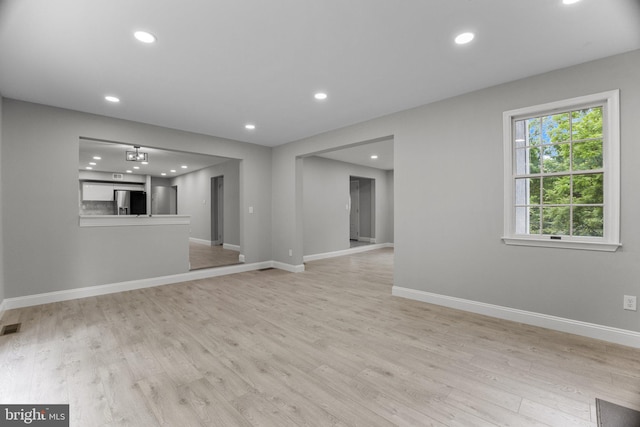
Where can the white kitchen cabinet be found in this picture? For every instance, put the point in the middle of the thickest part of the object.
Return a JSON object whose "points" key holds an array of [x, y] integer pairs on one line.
{"points": [[97, 191]]}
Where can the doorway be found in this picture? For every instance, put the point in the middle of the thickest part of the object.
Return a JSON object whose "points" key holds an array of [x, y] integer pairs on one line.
{"points": [[217, 210], [362, 229], [354, 212]]}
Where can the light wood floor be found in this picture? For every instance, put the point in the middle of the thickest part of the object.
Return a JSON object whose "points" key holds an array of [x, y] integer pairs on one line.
{"points": [[207, 256], [326, 347]]}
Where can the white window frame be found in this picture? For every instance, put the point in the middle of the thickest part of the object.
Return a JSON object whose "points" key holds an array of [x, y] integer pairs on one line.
{"points": [[610, 241]]}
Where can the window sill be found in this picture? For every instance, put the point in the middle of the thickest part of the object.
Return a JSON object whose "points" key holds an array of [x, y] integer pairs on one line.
{"points": [[563, 244]]}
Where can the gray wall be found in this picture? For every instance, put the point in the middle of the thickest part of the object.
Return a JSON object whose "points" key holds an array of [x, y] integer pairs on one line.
{"points": [[449, 200], [391, 204], [1, 220], [161, 197], [194, 198], [325, 198], [49, 251]]}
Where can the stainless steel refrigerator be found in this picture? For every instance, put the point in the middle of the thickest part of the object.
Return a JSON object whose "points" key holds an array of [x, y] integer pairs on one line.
{"points": [[130, 202]]}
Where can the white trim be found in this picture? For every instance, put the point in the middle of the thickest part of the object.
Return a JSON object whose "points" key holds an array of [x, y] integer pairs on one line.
{"points": [[131, 220], [349, 251], [200, 241], [574, 244], [367, 239], [611, 166], [591, 330], [231, 247], [90, 291], [288, 267]]}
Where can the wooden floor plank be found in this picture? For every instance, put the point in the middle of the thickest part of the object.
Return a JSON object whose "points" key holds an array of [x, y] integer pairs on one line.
{"points": [[329, 346]]}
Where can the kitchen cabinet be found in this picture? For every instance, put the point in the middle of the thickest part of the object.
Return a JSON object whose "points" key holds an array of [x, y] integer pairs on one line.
{"points": [[97, 191]]}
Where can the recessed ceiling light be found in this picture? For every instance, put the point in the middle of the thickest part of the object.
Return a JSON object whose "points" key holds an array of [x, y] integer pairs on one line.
{"points": [[129, 171], [136, 167], [145, 163], [88, 168], [320, 96], [97, 158], [249, 126], [172, 171], [375, 156], [464, 38], [570, 1], [144, 37], [183, 166], [112, 98], [92, 163], [163, 173]]}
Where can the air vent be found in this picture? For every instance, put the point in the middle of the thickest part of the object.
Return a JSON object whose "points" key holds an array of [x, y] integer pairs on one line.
{"points": [[118, 176], [10, 329]]}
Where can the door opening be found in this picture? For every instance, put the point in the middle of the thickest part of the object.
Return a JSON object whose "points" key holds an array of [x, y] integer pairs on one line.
{"points": [[362, 215], [217, 210], [173, 200], [354, 211]]}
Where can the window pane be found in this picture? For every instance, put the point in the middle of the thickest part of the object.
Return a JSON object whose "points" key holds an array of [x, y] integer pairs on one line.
{"points": [[555, 128], [555, 158], [534, 131], [556, 190], [588, 221], [588, 189], [587, 155], [534, 221], [527, 191], [527, 160], [555, 221], [586, 123], [528, 220], [520, 133]]}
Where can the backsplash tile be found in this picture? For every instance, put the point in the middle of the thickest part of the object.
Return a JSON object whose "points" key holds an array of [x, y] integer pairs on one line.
{"points": [[96, 207]]}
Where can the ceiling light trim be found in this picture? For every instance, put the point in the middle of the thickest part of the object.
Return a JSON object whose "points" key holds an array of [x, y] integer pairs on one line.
{"points": [[145, 37], [464, 38]]}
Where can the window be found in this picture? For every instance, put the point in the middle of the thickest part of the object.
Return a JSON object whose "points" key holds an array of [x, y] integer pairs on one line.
{"points": [[561, 173]]}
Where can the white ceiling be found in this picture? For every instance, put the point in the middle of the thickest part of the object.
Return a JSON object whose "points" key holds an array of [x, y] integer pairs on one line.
{"points": [[113, 159], [219, 64]]}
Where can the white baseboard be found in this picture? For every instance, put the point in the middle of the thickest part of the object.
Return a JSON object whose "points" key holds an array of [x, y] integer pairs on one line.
{"points": [[349, 251], [367, 239], [2, 309], [90, 291], [591, 330], [288, 267], [231, 247], [200, 241]]}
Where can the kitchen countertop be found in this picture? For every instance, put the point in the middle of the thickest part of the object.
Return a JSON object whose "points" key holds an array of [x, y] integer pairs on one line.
{"points": [[132, 220]]}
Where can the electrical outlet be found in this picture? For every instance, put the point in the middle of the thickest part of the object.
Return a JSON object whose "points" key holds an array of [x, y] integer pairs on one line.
{"points": [[629, 302], [290, 252]]}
